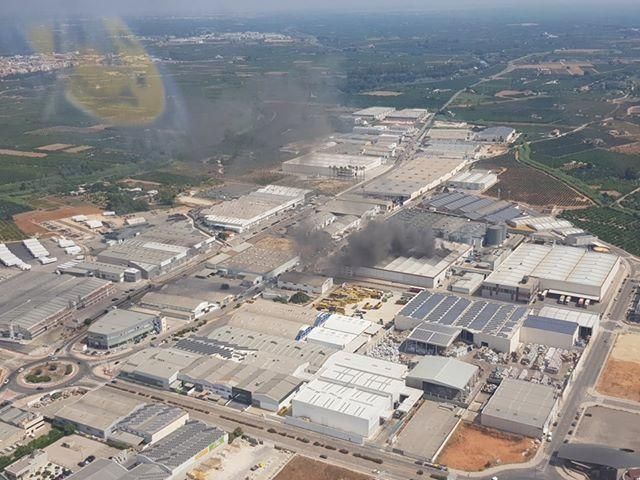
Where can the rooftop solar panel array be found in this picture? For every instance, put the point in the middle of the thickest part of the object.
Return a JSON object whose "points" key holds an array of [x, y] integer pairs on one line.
{"points": [[474, 207], [499, 319]]}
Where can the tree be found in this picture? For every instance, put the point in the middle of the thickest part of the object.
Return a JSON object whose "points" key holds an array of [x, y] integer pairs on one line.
{"points": [[299, 297]]}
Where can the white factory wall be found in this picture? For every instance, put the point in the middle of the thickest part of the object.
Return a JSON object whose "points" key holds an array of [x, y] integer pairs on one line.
{"points": [[545, 337], [512, 426], [168, 429], [399, 277], [500, 344], [363, 427]]}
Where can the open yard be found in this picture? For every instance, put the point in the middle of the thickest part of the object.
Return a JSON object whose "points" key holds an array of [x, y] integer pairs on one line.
{"points": [[621, 374], [473, 448], [304, 468], [608, 426], [29, 222]]}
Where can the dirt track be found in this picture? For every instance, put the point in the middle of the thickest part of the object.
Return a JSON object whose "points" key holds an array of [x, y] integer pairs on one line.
{"points": [[28, 221]]}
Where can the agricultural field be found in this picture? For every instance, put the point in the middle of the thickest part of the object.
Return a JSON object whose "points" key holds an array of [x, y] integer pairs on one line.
{"points": [[611, 225], [522, 183], [632, 201]]}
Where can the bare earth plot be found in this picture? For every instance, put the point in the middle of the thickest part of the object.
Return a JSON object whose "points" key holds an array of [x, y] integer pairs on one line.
{"points": [[473, 448], [28, 222], [303, 468], [54, 147], [621, 375], [20, 153]]}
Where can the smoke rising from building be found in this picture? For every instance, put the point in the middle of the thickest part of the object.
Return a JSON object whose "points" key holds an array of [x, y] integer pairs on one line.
{"points": [[380, 240]]}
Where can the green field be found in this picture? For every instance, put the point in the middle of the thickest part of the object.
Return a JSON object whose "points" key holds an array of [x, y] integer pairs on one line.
{"points": [[611, 225]]}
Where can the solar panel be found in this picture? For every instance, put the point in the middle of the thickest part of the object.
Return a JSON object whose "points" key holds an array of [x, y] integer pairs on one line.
{"points": [[428, 305], [480, 203], [461, 202]]}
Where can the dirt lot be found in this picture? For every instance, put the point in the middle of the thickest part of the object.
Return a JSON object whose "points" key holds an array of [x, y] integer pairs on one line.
{"points": [[303, 468], [28, 221], [621, 375], [629, 148], [20, 153], [473, 448]]}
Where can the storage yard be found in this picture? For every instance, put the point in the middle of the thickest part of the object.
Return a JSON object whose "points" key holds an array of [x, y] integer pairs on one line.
{"points": [[621, 374], [609, 426], [473, 448]]}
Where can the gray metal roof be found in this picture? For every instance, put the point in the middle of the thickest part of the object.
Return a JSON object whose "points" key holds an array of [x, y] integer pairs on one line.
{"points": [[550, 324], [599, 455], [444, 371], [185, 443], [434, 334], [117, 320], [103, 469], [522, 402], [150, 419]]}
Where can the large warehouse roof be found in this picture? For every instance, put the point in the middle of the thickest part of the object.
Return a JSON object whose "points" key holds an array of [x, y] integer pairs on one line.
{"points": [[179, 447], [558, 263], [244, 211], [414, 177], [474, 207], [103, 469], [29, 304], [494, 318], [99, 409], [117, 320], [444, 371], [320, 160], [583, 318], [523, 402]]}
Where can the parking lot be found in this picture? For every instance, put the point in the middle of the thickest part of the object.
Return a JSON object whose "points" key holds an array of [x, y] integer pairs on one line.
{"points": [[70, 451], [607, 426], [433, 417]]}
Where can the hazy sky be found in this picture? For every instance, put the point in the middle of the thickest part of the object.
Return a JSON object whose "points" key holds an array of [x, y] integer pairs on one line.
{"points": [[190, 7]]}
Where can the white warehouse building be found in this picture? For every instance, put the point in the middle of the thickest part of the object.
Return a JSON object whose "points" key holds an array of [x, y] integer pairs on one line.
{"points": [[243, 213], [474, 180], [350, 396], [558, 269], [332, 165]]}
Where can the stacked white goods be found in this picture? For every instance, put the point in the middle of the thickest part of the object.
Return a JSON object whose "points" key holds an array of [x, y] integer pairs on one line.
{"points": [[10, 260], [35, 248]]}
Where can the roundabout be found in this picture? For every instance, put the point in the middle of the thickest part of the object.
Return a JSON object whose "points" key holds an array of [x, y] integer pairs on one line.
{"points": [[47, 374]]}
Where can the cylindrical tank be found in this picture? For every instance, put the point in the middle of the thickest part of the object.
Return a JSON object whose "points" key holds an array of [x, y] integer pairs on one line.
{"points": [[496, 234]]}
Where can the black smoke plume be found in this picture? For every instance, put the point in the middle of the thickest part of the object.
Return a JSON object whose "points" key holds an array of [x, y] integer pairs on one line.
{"points": [[380, 240]]}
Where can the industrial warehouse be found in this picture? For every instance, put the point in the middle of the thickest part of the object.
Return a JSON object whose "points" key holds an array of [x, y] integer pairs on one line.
{"points": [[332, 165], [556, 269], [423, 271], [29, 310], [349, 396], [438, 319], [119, 327], [246, 212], [474, 207]]}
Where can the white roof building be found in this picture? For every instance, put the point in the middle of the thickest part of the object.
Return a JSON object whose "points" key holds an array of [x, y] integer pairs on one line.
{"points": [[245, 212], [349, 397], [331, 165], [560, 269]]}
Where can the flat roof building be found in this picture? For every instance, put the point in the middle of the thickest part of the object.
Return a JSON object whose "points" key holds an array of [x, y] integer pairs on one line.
{"points": [[158, 367], [438, 319], [304, 282], [183, 448], [176, 306], [349, 397], [480, 180], [27, 466], [245, 212], [444, 378], [332, 165], [152, 422], [496, 135], [560, 269], [521, 407], [97, 412], [447, 227], [374, 113], [267, 258], [31, 305], [103, 469], [244, 382], [414, 178], [428, 272], [118, 327]]}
